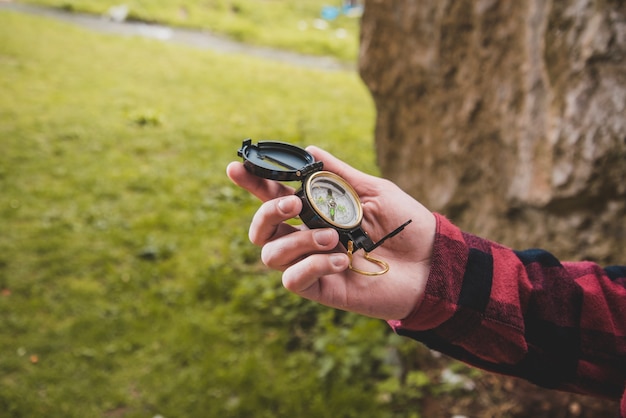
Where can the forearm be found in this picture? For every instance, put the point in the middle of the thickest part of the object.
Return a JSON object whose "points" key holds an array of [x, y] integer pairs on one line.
{"points": [[523, 314]]}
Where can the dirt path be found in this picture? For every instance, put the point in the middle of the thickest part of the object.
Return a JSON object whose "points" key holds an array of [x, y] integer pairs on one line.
{"points": [[194, 38]]}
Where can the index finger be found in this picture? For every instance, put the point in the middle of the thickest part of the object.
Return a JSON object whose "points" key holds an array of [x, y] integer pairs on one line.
{"points": [[262, 188]]}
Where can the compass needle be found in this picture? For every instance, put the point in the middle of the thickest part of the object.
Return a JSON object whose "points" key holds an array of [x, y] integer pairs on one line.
{"points": [[331, 205]]}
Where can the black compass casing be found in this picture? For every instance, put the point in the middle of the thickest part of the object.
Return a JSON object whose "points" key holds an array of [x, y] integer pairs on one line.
{"points": [[328, 201]]}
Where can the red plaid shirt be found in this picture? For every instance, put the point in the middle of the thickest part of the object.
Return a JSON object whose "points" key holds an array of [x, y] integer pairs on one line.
{"points": [[524, 313]]}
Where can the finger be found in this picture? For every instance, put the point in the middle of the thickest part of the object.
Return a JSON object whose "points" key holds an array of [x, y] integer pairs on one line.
{"points": [[262, 188], [335, 165], [268, 222], [303, 278], [281, 253]]}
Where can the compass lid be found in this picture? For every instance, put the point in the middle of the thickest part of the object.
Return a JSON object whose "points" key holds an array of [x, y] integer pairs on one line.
{"points": [[277, 160]]}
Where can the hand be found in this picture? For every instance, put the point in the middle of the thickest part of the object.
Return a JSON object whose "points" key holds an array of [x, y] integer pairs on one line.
{"points": [[315, 264]]}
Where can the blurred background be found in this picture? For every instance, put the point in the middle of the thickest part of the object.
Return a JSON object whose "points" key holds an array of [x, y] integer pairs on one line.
{"points": [[128, 287]]}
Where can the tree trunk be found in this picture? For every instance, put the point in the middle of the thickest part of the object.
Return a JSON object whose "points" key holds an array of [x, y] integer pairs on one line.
{"points": [[506, 116], [509, 117]]}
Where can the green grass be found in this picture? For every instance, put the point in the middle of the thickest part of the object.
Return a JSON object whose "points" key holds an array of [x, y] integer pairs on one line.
{"points": [[288, 24], [128, 286]]}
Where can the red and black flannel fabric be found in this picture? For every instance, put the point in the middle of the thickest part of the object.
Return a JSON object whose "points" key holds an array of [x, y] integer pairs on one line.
{"points": [[524, 313]]}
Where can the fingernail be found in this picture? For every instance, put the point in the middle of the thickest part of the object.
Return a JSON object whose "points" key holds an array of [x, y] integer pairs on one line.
{"points": [[323, 236], [338, 260], [285, 204]]}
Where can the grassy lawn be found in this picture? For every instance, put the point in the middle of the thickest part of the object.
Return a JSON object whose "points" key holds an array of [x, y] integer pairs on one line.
{"points": [[128, 287], [127, 284], [289, 24]]}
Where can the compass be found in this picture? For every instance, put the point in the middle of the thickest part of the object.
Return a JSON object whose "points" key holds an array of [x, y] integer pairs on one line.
{"points": [[328, 200], [332, 200]]}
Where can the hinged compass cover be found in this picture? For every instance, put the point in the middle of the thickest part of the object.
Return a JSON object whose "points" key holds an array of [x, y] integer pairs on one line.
{"points": [[278, 160]]}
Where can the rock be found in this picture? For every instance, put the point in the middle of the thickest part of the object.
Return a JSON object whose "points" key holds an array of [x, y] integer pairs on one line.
{"points": [[118, 13]]}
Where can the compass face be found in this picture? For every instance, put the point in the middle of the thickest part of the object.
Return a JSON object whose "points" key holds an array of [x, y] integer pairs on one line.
{"points": [[334, 200]]}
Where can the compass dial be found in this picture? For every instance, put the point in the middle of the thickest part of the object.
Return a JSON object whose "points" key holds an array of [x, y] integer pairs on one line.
{"points": [[334, 200]]}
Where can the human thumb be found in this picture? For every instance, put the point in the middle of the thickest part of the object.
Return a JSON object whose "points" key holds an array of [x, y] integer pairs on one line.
{"points": [[335, 165]]}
